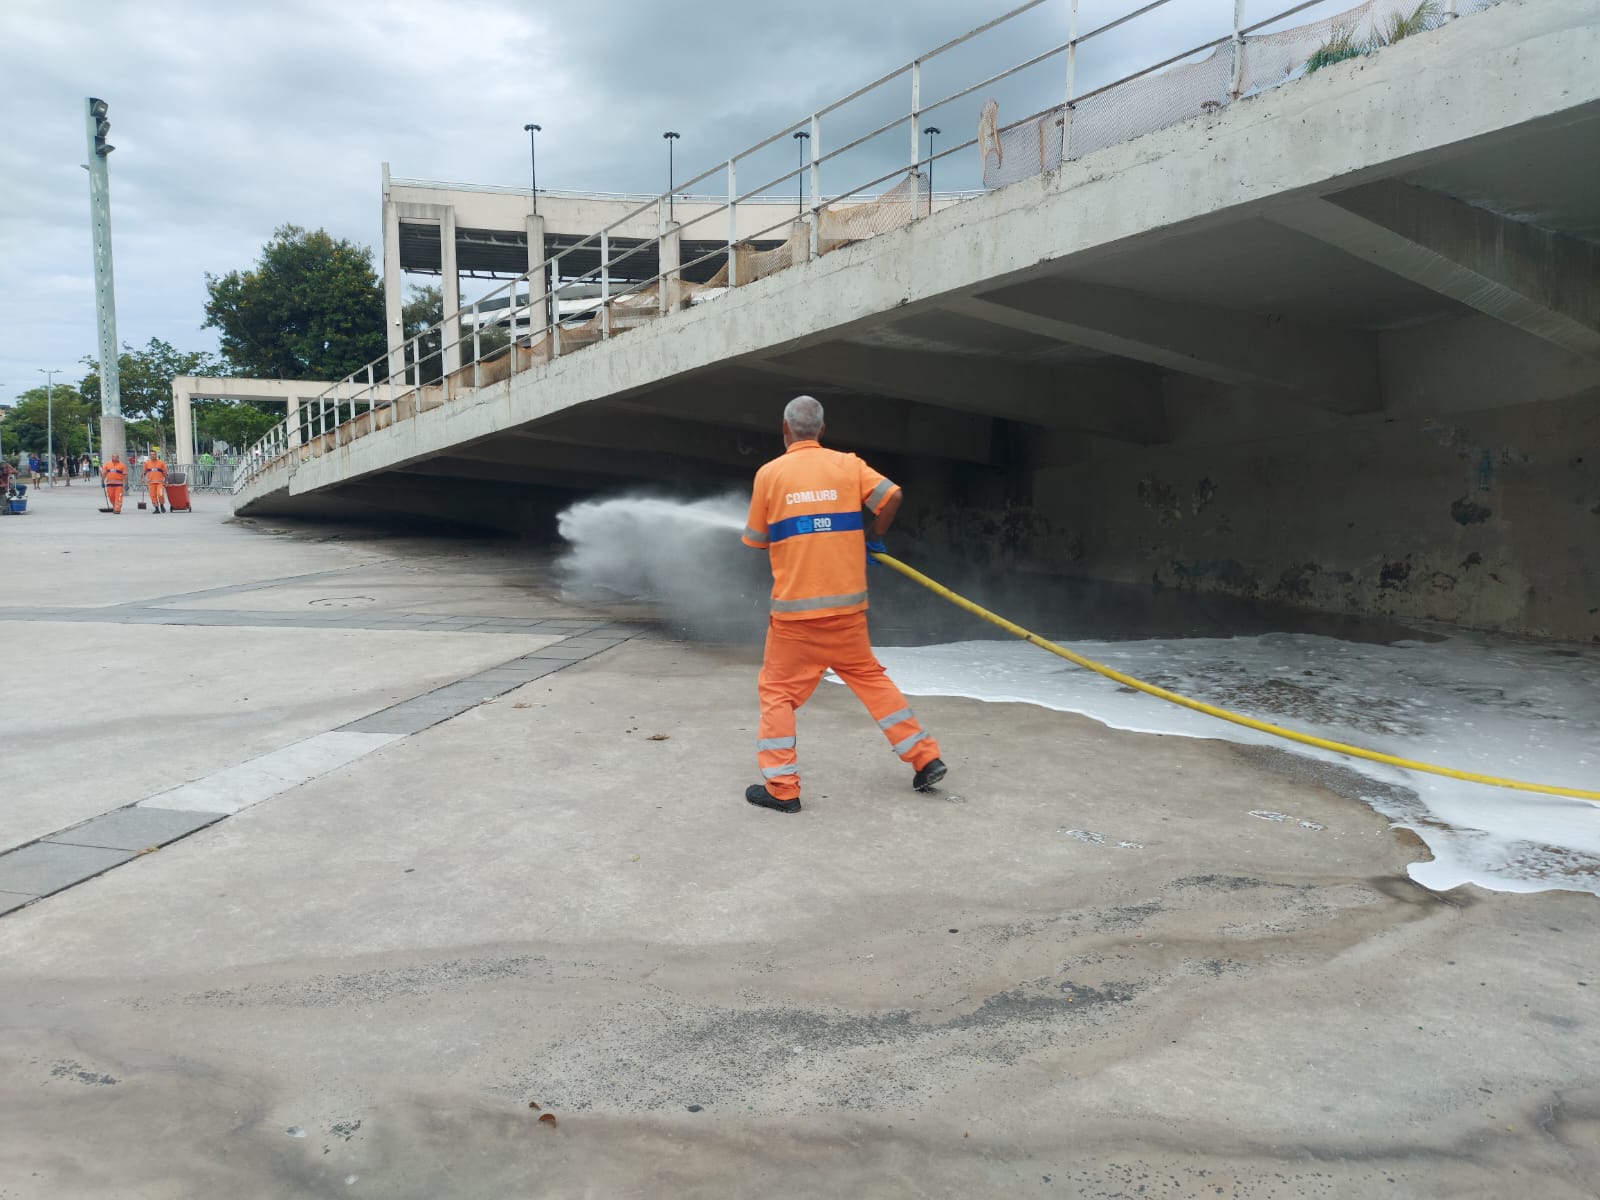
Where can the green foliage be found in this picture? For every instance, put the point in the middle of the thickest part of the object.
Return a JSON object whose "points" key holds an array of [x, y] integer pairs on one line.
{"points": [[27, 424], [1402, 25], [423, 310], [238, 424], [312, 308], [142, 435], [145, 380], [1341, 44]]}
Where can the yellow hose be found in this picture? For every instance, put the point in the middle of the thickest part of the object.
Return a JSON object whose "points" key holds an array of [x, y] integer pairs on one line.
{"points": [[1224, 714]]}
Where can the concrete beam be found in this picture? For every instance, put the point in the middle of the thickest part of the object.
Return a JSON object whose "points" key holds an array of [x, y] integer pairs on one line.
{"points": [[1331, 369], [1544, 283], [1114, 401], [865, 422], [439, 473], [393, 289], [645, 432], [614, 463]]}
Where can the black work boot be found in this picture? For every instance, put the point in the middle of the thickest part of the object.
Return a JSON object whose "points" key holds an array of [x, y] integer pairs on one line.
{"points": [[929, 775], [757, 793]]}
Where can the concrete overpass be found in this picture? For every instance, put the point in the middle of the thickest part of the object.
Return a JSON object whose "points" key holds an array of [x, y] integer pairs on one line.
{"points": [[1335, 344]]}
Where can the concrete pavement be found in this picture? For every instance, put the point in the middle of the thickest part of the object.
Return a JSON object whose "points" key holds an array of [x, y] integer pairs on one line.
{"points": [[1082, 969]]}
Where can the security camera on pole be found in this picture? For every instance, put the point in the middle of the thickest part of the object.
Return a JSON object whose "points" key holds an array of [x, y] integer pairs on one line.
{"points": [[113, 435]]}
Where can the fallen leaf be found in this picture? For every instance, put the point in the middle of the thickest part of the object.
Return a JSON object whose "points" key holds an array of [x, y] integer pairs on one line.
{"points": [[659, 737], [534, 1104], [522, 706], [147, 850], [551, 1117]]}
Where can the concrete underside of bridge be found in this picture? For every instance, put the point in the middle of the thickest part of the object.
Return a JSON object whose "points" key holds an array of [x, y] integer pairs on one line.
{"points": [[1337, 345]]}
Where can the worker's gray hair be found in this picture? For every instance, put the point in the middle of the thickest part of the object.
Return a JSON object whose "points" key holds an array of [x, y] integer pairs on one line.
{"points": [[804, 415]]}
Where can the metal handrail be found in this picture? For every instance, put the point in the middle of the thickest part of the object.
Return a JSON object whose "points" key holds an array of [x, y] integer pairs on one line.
{"points": [[377, 387]]}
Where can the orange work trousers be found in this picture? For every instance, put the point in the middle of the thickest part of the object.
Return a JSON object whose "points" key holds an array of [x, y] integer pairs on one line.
{"points": [[158, 494], [797, 654], [114, 495]]}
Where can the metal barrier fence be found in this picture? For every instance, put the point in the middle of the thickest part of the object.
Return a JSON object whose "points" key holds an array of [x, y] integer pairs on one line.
{"points": [[563, 309]]}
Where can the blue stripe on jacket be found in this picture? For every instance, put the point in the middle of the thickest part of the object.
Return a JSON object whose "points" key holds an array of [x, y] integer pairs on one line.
{"points": [[845, 522]]}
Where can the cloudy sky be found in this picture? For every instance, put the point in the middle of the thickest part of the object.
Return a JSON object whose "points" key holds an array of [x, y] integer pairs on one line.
{"points": [[231, 119]]}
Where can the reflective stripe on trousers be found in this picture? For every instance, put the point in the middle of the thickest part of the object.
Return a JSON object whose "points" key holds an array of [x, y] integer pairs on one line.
{"points": [[797, 655]]}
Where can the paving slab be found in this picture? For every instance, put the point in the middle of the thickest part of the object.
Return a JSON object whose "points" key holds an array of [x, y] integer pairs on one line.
{"points": [[562, 650], [245, 784], [44, 867], [134, 828]]}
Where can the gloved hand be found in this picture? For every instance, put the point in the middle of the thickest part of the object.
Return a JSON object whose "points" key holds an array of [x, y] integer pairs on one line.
{"points": [[875, 546]]}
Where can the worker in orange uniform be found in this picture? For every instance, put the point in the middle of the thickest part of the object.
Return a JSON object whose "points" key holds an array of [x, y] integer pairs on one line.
{"points": [[806, 512], [114, 476], [155, 481]]}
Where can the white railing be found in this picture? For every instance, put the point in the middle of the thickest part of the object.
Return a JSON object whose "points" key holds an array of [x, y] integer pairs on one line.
{"points": [[562, 310]]}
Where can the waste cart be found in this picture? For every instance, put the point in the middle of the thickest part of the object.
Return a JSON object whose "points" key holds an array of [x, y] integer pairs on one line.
{"points": [[178, 492]]}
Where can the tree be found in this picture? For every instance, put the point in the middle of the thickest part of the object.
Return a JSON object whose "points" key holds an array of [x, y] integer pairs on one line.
{"points": [[311, 308], [27, 426], [146, 381], [240, 424], [424, 310]]}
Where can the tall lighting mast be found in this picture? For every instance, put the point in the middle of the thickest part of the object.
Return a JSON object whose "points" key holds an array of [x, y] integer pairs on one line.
{"points": [[113, 437]]}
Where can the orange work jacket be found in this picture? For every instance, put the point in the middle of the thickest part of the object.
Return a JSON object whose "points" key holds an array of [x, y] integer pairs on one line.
{"points": [[155, 471], [115, 474], [805, 510]]}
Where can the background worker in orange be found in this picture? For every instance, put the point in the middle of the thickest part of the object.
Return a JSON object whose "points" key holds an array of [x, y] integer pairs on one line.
{"points": [[114, 475], [806, 512], [155, 481]]}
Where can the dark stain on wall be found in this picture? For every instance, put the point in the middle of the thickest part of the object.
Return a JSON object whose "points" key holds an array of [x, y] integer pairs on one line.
{"points": [[1466, 512], [1472, 560], [1160, 499], [1295, 582], [1394, 575], [1229, 573]]}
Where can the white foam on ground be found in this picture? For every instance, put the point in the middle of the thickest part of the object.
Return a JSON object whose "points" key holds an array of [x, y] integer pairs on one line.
{"points": [[1491, 706]]}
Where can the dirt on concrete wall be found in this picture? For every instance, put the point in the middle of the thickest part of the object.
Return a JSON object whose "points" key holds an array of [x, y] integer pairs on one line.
{"points": [[1487, 518]]}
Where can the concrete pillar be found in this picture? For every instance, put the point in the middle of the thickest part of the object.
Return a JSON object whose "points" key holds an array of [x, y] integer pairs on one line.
{"points": [[452, 289], [393, 290], [292, 415], [671, 256], [113, 438], [182, 423], [539, 280]]}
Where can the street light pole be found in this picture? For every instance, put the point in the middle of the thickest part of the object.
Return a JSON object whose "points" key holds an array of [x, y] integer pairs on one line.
{"points": [[96, 128], [533, 162], [671, 136], [801, 137], [931, 131]]}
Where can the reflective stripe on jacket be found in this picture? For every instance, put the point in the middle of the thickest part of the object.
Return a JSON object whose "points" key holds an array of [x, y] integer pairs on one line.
{"points": [[805, 510]]}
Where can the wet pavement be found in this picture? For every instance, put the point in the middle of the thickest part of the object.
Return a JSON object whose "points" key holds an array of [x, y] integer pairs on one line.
{"points": [[1089, 966]]}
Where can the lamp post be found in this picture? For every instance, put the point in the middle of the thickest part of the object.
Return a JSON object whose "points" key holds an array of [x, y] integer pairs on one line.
{"points": [[931, 131], [49, 423], [671, 136], [97, 126], [533, 163], [801, 137]]}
